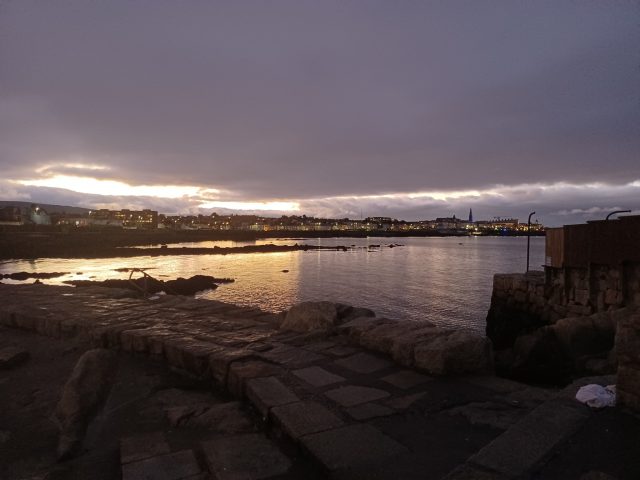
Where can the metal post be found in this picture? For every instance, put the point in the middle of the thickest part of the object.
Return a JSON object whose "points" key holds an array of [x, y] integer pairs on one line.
{"points": [[529, 237]]}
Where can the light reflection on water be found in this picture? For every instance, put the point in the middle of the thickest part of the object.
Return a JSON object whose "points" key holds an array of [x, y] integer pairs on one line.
{"points": [[445, 280]]}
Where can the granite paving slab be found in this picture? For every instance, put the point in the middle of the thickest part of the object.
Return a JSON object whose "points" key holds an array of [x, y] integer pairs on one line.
{"points": [[341, 351], [268, 392], [406, 379], [244, 457], [529, 441], [351, 395], [174, 466], [139, 447], [291, 356], [317, 376], [363, 363], [365, 411], [302, 418], [352, 446]]}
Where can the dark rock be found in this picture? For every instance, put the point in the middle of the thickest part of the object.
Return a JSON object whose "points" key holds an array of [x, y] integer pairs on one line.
{"points": [[452, 352], [180, 286], [12, 356], [26, 275], [309, 316], [82, 398]]}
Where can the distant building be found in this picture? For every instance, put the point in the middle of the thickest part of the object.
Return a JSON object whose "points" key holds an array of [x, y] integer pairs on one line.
{"points": [[11, 215]]}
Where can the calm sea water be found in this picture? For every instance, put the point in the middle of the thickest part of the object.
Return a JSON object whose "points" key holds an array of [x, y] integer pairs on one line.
{"points": [[444, 280]]}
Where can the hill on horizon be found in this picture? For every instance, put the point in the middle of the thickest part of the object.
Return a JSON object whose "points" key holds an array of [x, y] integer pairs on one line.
{"points": [[50, 208]]}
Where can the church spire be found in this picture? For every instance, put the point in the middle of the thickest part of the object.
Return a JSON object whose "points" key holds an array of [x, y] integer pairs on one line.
{"points": [[470, 216]]}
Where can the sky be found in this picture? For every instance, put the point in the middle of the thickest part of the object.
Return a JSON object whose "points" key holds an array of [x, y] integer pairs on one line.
{"points": [[409, 109]]}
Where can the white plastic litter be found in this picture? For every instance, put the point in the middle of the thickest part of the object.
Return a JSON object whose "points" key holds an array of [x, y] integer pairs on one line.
{"points": [[597, 396]]}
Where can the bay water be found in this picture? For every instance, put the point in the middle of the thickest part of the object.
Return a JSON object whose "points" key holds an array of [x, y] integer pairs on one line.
{"points": [[445, 280]]}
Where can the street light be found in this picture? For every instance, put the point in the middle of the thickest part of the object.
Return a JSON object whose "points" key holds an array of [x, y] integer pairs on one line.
{"points": [[617, 211], [529, 237]]}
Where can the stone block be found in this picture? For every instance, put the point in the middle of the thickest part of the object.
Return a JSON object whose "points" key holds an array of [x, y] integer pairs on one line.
{"points": [[351, 447], [532, 439], [341, 351], [268, 392], [139, 447], [12, 357], [302, 418], [366, 411], [309, 316], [363, 363], [221, 359], [240, 457], [318, 377], [468, 472], [292, 357], [354, 395], [406, 379], [454, 352], [174, 466], [241, 372]]}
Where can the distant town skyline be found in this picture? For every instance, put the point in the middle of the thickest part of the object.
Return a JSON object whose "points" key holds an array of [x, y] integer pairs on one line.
{"points": [[329, 109]]}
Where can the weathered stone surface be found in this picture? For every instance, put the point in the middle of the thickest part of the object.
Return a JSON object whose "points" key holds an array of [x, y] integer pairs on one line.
{"points": [[346, 313], [83, 395], [405, 401], [341, 351], [221, 359], [226, 417], [627, 348], [353, 395], [139, 447], [250, 457], [268, 392], [365, 411], [318, 377], [529, 441], [454, 352], [363, 363], [12, 357], [240, 372], [468, 472], [174, 466], [352, 446], [498, 415], [291, 356], [597, 475], [406, 379], [309, 316], [302, 418]]}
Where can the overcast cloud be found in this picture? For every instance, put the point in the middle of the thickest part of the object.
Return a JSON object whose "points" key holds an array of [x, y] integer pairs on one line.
{"points": [[407, 109]]}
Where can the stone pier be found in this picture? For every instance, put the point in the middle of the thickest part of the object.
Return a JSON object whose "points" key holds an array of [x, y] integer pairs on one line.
{"points": [[358, 401]]}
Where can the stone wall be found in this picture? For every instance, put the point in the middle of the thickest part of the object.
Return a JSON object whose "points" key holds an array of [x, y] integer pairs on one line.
{"points": [[522, 303], [628, 353]]}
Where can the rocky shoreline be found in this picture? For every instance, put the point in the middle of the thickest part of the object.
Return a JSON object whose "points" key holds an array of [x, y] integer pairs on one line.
{"points": [[325, 377]]}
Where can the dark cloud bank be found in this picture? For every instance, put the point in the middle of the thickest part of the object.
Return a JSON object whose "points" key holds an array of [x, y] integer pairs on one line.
{"points": [[530, 105]]}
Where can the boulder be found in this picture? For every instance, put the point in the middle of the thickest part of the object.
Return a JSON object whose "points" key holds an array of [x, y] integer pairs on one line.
{"points": [[450, 352], [346, 313], [82, 398], [309, 316], [570, 347]]}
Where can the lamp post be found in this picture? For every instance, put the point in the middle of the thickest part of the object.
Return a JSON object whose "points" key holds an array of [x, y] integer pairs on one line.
{"points": [[617, 211], [529, 237]]}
